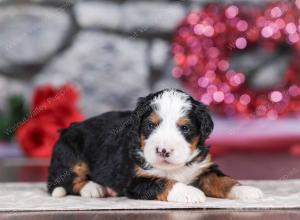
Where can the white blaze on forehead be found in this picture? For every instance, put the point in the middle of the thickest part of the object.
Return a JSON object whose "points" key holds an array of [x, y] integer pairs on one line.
{"points": [[172, 104]]}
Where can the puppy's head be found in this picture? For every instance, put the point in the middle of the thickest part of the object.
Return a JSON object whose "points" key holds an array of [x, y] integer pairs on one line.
{"points": [[172, 128]]}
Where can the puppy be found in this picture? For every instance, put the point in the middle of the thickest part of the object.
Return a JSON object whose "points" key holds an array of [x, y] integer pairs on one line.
{"points": [[156, 152]]}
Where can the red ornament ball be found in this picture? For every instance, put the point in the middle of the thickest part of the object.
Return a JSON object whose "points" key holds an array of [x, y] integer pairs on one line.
{"points": [[206, 41]]}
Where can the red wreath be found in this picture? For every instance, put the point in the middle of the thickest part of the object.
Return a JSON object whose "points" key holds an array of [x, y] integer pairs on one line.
{"points": [[206, 40], [52, 110]]}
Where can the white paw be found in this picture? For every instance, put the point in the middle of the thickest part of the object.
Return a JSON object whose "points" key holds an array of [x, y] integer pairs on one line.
{"points": [[187, 194], [245, 193], [92, 190], [59, 192]]}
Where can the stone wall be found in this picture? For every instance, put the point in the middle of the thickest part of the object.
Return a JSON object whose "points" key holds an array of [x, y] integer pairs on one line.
{"points": [[113, 50]]}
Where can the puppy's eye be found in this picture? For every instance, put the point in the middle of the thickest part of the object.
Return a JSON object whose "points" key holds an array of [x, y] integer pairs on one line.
{"points": [[151, 126], [185, 129]]}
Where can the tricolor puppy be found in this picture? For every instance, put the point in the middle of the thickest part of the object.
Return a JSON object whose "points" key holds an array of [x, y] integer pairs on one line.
{"points": [[156, 152]]}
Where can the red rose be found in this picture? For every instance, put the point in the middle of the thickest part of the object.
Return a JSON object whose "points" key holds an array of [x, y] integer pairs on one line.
{"points": [[52, 110], [38, 136], [42, 94], [47, 97]]}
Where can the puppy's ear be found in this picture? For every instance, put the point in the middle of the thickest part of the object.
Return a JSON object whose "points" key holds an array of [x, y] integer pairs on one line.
{"points": [[142, 107], [204, 119], [142, 103]]}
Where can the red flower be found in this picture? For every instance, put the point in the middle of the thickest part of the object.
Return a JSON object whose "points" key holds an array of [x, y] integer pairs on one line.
{"points": [[47, 97], [42, 94], [38, 136], [52, 110]]}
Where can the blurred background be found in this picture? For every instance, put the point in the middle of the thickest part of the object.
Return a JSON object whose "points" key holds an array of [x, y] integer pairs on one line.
{"points": [[62, 61]]}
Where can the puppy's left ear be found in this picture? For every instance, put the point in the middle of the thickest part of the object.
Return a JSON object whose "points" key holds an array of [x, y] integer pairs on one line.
{"points": [[204, 119]]}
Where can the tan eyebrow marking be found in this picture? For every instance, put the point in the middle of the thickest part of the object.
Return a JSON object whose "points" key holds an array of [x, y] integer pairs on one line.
{"points": [[154, 118], [183, 121]]}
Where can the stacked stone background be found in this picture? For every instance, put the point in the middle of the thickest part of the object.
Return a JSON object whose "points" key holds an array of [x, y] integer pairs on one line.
{"points": [[113, 50]]}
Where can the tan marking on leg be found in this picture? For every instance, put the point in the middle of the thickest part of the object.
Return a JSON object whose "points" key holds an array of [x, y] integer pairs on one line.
{"points": [[78, 183], [163, 196], [168, 187], [81, 170], [216, 186]]}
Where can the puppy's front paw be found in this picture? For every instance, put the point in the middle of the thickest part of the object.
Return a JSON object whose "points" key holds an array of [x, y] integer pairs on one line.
{"points": [[92, 190], [245, 193], [187, 194], [59, 192]]}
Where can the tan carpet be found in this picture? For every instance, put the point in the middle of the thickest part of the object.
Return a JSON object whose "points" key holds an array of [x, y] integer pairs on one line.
{"points": [[33, 197]]}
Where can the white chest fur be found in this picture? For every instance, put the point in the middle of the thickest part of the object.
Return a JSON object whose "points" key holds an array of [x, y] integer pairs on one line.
{"points": [[186, 174]]}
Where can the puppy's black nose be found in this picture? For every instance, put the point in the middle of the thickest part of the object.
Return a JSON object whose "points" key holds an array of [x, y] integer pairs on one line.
{"points": [[163, 152]]}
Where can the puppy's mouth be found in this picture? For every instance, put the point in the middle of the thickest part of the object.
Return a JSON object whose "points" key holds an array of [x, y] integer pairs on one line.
{"points": [[166, 164]]}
